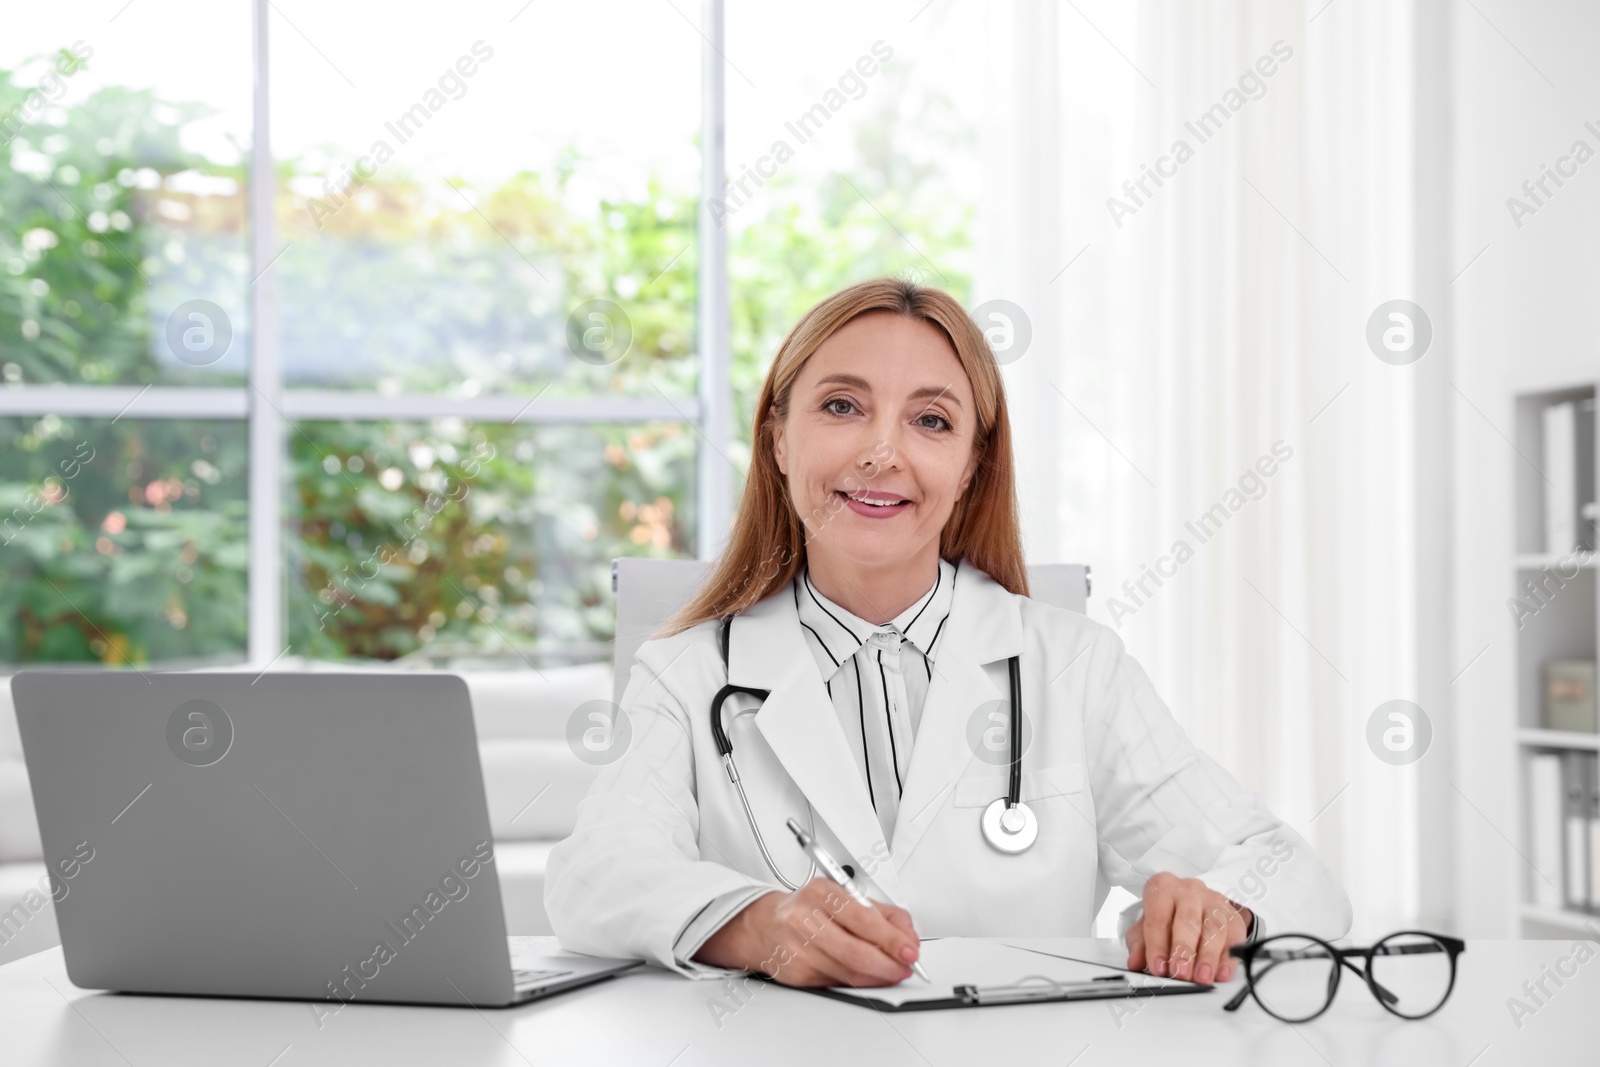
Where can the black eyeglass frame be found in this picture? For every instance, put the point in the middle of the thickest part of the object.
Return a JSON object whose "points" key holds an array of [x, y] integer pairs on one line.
{"points": [[1248, 953]]}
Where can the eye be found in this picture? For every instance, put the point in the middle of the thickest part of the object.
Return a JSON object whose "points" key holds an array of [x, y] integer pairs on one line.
{"points": [[827, 405], [942, 424]]}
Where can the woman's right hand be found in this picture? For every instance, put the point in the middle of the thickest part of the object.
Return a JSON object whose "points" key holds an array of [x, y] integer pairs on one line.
{"points": [[816, 936]]}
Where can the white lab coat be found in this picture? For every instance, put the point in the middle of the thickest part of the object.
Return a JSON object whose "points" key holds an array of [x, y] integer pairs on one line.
{"points": [[1119, 790]]}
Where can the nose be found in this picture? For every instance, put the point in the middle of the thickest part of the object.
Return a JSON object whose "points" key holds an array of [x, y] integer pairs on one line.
{"points": [[883, 453]]}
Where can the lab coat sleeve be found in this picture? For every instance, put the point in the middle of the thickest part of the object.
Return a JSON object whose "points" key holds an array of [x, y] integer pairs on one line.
{"points": [[630, 879], [1161, 804], [712, 918]]}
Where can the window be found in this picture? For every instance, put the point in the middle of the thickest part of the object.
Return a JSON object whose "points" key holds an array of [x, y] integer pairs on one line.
{"points": [[486, 284], [124, 337], [399, 379]]}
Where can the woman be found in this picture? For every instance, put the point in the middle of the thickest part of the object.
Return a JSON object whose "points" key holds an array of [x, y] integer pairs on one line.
{"points": [[877, 588]]}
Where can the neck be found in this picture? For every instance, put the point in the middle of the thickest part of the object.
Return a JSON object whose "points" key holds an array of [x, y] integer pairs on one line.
{"points": [[875, 592]]}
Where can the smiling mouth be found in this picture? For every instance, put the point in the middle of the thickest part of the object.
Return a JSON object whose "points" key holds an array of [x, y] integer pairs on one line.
{"points": [[871, 501]]}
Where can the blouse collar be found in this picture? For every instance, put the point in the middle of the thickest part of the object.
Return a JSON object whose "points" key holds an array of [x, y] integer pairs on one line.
{"points": [[840, 633]]}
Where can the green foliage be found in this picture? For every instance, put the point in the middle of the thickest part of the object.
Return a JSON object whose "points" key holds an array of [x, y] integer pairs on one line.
{"points": [[121, 542], [415, 537]]}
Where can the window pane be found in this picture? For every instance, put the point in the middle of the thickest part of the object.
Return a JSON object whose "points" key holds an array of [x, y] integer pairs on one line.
{"points": [[462, 183], [124, 255], [852, 152], [471, 542], [123, 542]]}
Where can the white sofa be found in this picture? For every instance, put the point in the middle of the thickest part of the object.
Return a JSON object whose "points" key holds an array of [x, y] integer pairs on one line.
{"points": [[521, 720]]}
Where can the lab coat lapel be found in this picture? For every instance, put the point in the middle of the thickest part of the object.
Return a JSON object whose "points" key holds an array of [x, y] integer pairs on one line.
{"points": [[985, 625], [768, 651]]}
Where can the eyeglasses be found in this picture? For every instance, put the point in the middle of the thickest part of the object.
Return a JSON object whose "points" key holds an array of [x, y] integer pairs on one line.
{"points": [[1295, 976]]}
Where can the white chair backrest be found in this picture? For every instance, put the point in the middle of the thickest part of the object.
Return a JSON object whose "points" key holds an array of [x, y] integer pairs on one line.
{"points": [[649, 590]]}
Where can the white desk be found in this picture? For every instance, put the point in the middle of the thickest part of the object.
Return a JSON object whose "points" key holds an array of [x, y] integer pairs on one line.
{"points": [[655, 1018]]}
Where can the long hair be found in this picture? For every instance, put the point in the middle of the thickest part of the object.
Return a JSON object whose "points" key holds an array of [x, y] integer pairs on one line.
{"points": [[767, 546]]}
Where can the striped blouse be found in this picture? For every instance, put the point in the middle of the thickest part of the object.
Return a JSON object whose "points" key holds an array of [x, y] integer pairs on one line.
{"points": [[877, 692]]}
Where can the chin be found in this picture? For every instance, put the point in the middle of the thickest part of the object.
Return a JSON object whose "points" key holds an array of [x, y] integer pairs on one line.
{"points": [[874, 550]]}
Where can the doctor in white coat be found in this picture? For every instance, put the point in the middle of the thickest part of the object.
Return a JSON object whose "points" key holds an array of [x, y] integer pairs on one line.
{"points": [[876, 586]]}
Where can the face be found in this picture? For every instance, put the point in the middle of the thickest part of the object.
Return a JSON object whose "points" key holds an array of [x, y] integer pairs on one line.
{"points": [[877, 445]]}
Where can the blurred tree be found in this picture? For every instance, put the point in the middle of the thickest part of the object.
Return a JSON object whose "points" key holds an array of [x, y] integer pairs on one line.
{"points": [[121, 543]]}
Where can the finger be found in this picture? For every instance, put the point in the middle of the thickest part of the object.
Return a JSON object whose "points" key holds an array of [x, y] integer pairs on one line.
{"points": [[1135, 941], [1186, 919], [1158, 905], [872, 925], [825, 970], [811, 967], [805, 919], [861, 962], [1214, 939], [900, 917], [871, 949]]}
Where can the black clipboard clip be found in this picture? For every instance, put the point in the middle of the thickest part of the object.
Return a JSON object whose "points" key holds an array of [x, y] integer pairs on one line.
{"points": [[1039, 988]]}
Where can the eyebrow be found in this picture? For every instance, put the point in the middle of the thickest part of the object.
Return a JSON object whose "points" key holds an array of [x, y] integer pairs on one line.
{"points": [[859, 382]]}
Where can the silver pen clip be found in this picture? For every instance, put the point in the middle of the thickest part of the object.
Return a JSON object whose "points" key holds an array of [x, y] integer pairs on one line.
{"points": [[1037, 987]]}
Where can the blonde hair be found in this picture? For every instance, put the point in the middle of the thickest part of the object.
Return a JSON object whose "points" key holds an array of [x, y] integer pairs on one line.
{"points": [[767, 546]]}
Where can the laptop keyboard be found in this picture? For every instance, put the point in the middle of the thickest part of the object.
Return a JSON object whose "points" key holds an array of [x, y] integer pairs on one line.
{"points": [[529, 977], [523, 974]]}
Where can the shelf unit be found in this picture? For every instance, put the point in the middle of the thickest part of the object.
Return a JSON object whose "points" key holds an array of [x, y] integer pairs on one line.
{"points": [[1565, 627]]}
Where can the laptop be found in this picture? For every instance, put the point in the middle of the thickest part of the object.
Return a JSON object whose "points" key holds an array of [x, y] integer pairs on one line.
{"points": [[319, 837]]}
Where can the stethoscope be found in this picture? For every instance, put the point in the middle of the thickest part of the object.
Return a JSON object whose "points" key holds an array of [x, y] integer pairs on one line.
{"points": [[725, 750], [1008, 824]]}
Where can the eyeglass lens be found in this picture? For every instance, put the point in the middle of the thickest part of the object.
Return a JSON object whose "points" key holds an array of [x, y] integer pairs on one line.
{"points": [[1416, 969], [1294, 977]]}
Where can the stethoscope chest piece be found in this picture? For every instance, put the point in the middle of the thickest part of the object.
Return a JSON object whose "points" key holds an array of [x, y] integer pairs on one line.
{"points": [[1010, 828]]}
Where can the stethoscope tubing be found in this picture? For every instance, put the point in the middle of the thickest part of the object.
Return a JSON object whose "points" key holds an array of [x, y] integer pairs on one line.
{"points": [[1014, 792], [725, 750]]}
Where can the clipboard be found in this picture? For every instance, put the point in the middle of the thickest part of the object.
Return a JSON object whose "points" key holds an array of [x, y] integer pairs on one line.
{"points": [[998, 973]]}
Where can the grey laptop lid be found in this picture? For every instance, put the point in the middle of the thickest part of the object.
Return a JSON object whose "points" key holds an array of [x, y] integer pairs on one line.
{"points": [[289, 835]]}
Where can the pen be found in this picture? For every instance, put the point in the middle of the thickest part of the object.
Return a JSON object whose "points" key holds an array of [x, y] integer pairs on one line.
{"points": [[831, 868]]}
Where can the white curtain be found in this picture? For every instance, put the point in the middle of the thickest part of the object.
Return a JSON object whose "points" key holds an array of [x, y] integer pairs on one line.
{"points": [[1221, 325]]}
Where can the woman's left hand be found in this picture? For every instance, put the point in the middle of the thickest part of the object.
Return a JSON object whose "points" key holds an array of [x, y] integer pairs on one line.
{"points": [[1186, 930]]}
